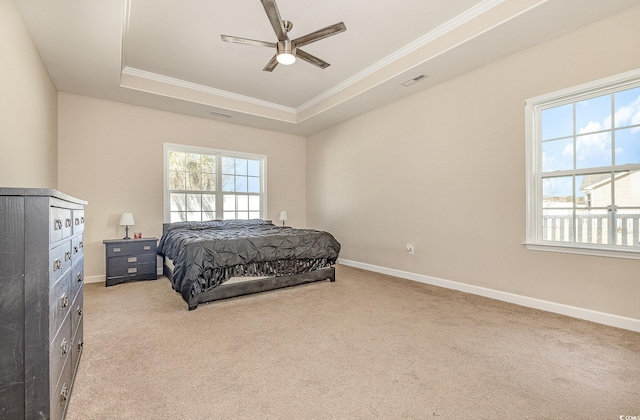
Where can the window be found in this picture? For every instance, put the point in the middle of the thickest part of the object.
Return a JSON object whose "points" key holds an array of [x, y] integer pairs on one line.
{"points": [[583, 168], [204, 184]]}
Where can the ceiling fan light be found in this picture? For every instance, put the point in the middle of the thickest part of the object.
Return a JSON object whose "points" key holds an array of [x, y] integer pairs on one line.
{"points": [[286, 59], [286, 53]]}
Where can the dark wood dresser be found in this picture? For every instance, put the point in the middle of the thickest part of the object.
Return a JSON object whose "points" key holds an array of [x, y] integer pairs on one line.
{"points": [[41, 295], [130, 259]]}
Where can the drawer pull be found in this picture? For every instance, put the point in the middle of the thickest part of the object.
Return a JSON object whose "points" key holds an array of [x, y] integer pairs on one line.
{"points": [[57, 224], [116, 249], [77, 221], [57, 264], [64, 394], [79, 277], [64, 347], [64, 301], [82, 220], [147, 247], [67, 222], [80, 345], [67, 255], [81, 245], [79, 310], [132, 259], [132, 270], [75, 249]]}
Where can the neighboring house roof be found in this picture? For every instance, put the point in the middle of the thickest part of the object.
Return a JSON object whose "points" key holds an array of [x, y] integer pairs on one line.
{"points": [[592, 181]]}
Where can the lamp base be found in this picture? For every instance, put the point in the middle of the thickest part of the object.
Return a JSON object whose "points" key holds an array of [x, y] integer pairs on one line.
{"points": [[126, 229]]}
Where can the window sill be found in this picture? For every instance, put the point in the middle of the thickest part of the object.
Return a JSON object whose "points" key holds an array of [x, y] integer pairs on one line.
{"points": [[598, 251]]}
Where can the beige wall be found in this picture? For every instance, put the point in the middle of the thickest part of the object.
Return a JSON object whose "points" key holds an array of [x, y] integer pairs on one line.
{"points": [[111, 156], [28, 108], [445, 170]]}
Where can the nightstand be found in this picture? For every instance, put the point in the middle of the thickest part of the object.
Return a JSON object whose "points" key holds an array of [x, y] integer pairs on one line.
{"points": [[130, 259]]}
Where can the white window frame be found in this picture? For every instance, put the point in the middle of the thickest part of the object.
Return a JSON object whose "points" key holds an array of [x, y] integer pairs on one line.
{"points": [[533, 155], [173, 147]]}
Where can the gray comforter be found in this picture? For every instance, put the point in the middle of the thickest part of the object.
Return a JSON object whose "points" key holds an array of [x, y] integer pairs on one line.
{"points": [[206, 254]]}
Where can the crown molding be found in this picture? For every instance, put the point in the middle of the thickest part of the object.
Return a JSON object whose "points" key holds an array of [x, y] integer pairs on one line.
{"points": [[441, 30], [130, 71]]}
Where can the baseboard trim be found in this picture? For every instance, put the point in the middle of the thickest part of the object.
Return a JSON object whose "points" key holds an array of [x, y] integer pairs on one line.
{"points": [[544, 305], [95, 279]]}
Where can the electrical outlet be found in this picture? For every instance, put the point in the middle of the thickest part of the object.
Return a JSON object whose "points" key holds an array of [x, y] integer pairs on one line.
{"points": [[410, 249]]}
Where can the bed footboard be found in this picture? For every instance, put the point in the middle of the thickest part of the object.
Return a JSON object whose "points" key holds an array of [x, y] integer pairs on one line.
{"points": [[225, 291]]}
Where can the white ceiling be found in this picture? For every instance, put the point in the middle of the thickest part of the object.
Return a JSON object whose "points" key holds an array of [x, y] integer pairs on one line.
{"points": [[168, 55]]}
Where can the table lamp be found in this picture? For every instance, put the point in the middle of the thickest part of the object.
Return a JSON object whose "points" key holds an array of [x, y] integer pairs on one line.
{"points": [[283, 216], [126, 220]]}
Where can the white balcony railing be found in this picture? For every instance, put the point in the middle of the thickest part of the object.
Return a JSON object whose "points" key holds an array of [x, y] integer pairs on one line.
{"points": [[592, 229]]}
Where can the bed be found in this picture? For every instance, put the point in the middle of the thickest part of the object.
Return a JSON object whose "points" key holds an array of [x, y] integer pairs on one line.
{"points": [[219, 259]]}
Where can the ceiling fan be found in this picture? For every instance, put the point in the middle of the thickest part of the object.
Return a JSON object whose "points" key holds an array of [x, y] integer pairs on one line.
{"points": [[287, 50]]}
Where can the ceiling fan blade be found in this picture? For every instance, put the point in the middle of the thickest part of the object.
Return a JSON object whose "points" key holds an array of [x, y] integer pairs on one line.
{"points": [[271, 64], [247, 41], [312, 59], [274, 17], [320, 34]]}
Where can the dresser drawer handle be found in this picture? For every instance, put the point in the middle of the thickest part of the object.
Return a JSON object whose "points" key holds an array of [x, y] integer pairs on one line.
{"points": [[64, 347], [67, 222], [67, 255], [64, 301], [80, 345], [82, 220], [79, 310], [81, 245], [77, 221], [75, 249], [79, 277], [64, 394], [132, 270], [116, 249], [57, 264], [57, 224], [132, 259], [147, 247]]}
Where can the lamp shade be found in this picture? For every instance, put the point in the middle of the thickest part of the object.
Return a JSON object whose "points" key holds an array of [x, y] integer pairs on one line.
{"points": [[127, 219], [283, 216]]}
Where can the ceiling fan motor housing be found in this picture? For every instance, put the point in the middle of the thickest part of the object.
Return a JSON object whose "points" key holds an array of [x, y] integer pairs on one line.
{"points": [[286, 52]]}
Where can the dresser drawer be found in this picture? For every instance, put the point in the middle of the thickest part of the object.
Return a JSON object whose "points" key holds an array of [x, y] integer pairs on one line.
{"points": [[78, 221], [135, 247], [77, 277], [60, 394], [77, 246], [60, 350], [60, 224], [60, 260], [59, 303], [77, 309], [76, 349]]}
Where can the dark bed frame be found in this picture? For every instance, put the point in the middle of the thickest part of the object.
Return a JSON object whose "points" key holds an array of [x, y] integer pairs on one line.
{"points": [[246, 287]]}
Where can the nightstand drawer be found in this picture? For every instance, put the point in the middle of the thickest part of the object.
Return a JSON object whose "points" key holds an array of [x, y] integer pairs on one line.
{"points": [[135, 247], [132, 260], [135, 271]]}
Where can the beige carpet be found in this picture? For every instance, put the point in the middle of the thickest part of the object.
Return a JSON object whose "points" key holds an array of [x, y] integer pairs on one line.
{"points": [[367, 346]]}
